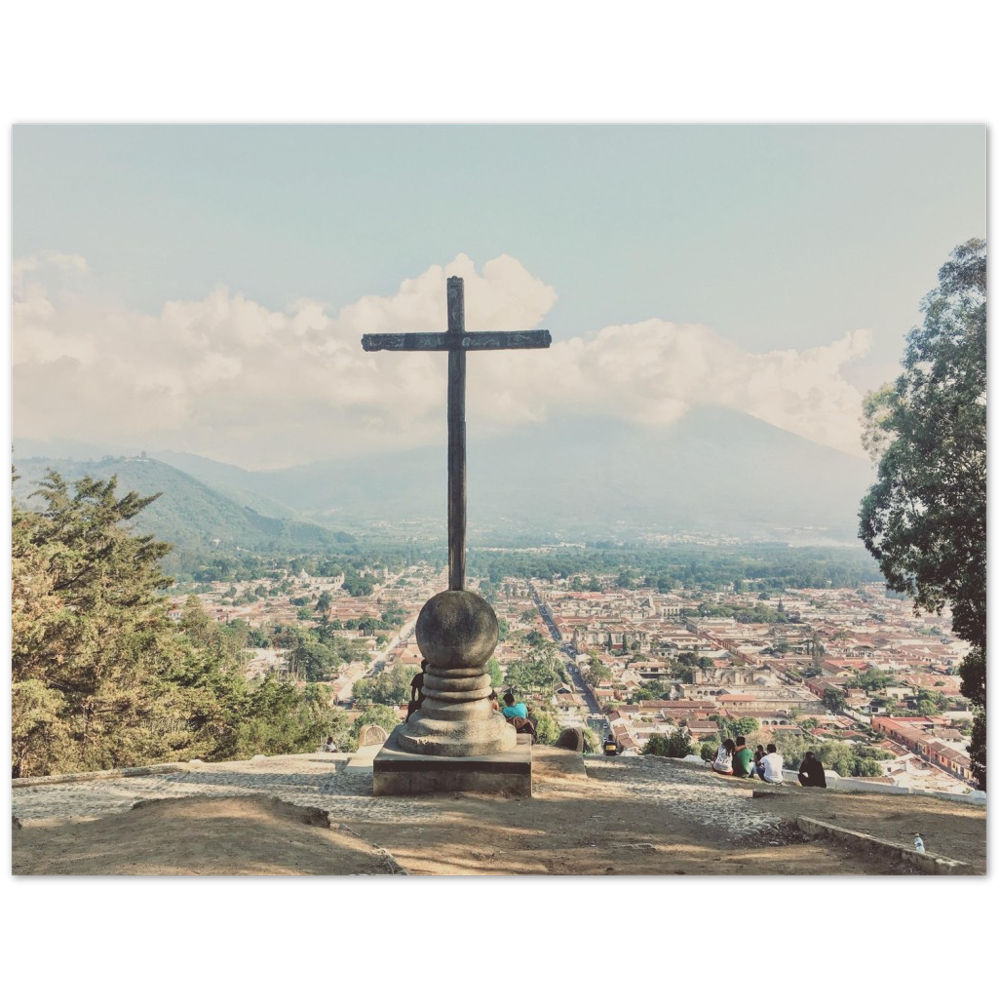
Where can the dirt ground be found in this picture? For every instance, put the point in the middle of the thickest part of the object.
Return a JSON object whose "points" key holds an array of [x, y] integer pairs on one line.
{"points": [[572, 825], [248, 835], [949, 829], [550, 834]]}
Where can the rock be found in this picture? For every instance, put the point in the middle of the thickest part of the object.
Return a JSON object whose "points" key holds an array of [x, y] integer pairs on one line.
{"points": [[372, 736], [570, 739]]}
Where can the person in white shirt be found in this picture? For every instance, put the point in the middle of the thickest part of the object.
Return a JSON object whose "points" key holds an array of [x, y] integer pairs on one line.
{"points": [[771, 765], [723, 763]]}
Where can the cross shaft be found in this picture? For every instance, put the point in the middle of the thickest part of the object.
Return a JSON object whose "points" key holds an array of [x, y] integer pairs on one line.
{"points": [[456, 341]]}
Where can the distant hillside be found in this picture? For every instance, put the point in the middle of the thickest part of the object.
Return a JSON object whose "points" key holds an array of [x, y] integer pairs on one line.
{"points": [[229, 480], [714, 472], [189, 514]]}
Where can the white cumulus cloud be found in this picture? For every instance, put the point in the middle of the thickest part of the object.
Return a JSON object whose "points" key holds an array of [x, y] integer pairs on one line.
{"points": [[231, 379]]}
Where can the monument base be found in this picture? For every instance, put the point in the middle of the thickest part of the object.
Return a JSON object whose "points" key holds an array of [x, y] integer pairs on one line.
{"points": [[398, 772]]}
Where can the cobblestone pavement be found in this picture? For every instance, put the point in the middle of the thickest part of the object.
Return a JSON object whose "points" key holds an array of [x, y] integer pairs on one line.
{"points": [[326, 782], [692, 793]]}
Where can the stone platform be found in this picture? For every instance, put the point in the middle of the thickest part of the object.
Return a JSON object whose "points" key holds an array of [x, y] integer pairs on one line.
{"points": [[398, 772]]}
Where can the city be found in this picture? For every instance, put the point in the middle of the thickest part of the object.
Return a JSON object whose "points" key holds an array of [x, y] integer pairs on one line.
{"points": [[854, 668]]}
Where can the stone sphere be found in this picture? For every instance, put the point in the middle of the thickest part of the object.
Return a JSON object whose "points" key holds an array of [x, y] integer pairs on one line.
{"points": [[457, 629]]}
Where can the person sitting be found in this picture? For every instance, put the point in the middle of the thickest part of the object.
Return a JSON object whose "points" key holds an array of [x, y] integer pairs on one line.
{"points": [[516, 713], [723, 763], [811, 773], [758, 756], [742, 759], [416, 691], [524, 726], [329, 746], [771, 765], [512, 709]]}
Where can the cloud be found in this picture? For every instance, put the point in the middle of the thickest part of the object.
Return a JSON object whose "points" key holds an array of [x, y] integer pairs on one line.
{"points": [[228, 378], [652, 372]]}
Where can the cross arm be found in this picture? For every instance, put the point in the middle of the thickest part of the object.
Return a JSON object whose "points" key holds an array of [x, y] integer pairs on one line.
{"points": [[491, 341]]}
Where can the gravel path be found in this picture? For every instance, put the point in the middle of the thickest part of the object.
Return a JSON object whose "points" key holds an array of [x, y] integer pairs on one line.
{"points": [[326, 782]]}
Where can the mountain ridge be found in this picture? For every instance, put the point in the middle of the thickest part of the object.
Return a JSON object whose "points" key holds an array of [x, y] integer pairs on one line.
{"points": [[713, 472], [189, 514]]}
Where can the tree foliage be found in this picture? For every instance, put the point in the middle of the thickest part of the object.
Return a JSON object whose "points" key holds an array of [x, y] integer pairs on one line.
{"points": [[731, 728], [546, 727], [101, 675], [389, 687], [375, 715], [538, 672], [677, 744], [495, 672], [924, 519], [597, 673], [834, 699]]}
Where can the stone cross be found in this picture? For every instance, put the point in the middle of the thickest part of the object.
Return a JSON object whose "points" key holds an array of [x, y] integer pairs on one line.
{"points": [[456, 341]]}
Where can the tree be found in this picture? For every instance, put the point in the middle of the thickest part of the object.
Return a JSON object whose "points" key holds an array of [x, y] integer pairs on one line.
{"points": [[102, 677], [873, 680], [597, 674], [732, 728], [924, 520], [389, 687], [496, 673], [91, 642], [537, 673], [793, 747], [547, 728], [838, 756], [834, 699], [867, 768], [679, 742], [656, 746]]}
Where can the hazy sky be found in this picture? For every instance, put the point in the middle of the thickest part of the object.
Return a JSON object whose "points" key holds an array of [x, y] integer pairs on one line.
{"points": [[204, 288]]}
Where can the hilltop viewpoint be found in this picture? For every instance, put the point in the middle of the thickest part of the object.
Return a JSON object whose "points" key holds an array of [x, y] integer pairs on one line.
{"points": [[314, 814]]}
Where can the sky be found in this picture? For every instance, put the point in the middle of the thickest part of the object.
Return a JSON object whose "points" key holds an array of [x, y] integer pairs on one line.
{"points": [[204, 288]]}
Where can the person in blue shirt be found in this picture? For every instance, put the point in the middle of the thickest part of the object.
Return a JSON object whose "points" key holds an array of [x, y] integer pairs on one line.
{"points": [[512, 710]]}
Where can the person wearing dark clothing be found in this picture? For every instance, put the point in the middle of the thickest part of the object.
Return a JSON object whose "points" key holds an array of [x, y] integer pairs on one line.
{"points": [[416, 691], [811, 772]]}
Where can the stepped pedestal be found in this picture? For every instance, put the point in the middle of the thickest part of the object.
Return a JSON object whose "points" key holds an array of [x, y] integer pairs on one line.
{"points": [[456, 741]]}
